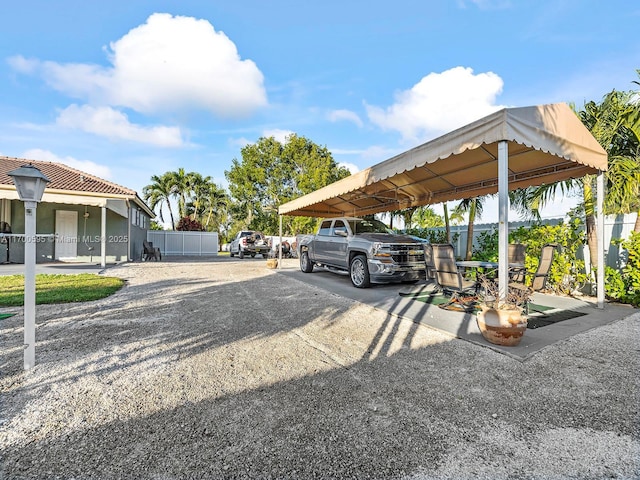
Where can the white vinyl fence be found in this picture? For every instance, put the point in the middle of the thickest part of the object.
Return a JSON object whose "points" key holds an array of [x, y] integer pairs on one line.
{"points": [[615, 227], [184, 243]]}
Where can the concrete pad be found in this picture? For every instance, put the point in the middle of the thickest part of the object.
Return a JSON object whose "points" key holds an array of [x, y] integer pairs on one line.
{"points": [[463, 325]]}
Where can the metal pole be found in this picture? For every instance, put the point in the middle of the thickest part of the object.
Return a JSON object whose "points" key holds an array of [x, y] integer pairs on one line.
{"points": [[280, 244], [503, 218], [600, 239], [30, 285]]}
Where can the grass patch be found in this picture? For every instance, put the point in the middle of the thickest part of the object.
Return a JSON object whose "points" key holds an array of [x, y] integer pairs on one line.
{"points": [[58, 288]]}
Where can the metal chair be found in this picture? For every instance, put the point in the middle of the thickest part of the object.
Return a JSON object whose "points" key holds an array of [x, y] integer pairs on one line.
{"points": [[541, 275], [149, 252], [449, 279], [428, 260], [517, 253]]}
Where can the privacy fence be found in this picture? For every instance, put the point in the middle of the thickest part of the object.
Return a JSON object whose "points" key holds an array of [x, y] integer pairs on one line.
{"points": [[615, 227], [184, 243]]}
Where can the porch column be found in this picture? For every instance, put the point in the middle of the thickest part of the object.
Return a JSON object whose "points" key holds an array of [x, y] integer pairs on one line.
{"points": [[503, 218], [600, 238], [103, 237]]}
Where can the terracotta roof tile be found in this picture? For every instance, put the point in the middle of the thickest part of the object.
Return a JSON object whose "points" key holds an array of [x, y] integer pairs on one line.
{"points": [[63, 177]]}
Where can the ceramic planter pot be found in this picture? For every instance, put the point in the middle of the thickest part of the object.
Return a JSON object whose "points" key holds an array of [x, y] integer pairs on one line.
{"points": [[272, 263], [502, 327]]}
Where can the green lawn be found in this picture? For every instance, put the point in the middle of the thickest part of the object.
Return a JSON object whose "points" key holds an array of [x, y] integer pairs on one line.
{"points": [[51, 288]]}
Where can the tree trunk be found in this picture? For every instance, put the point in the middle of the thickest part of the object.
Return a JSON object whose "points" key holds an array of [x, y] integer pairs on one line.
{"points": [[173, 221], [592, 240], [590, 221], [636, 227], [472, 219], [446, 222]]}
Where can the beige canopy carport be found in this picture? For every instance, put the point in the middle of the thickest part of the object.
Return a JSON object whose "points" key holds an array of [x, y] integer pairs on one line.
{"points": [[511, 148]]}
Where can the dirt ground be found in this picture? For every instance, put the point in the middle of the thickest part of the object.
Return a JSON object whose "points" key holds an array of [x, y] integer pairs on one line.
{"points": [[223, 368]]}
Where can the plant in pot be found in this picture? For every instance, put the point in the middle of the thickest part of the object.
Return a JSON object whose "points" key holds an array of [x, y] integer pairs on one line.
{"points": [[502, 321]]}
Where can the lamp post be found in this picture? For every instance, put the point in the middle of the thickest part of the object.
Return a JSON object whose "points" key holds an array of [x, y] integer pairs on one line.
{"points": [[30, 183]]}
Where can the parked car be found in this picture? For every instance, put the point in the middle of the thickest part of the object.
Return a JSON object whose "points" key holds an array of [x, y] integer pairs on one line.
{"points": [[366, 249], [249, 242]]}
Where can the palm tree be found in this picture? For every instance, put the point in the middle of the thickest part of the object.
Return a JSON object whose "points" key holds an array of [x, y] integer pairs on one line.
{"points": [[181, 189], [425, 217], [473, 207], [215, 203], [447, 223], [198, 190], [159, 193]]}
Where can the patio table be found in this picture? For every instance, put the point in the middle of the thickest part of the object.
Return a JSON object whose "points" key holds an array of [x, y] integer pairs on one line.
{"points": [[486, 266]]}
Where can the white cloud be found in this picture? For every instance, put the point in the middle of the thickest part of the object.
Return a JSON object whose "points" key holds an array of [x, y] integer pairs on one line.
{"points": [[87, 166], [110, 123], [439, 103], [23, 65], [240, 142], [278, 134], [348, 115], [167, 64], [376, 153], [352, 167]]}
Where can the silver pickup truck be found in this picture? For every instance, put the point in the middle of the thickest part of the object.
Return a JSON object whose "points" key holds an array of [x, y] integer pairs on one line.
{"points": [[367, 249]]}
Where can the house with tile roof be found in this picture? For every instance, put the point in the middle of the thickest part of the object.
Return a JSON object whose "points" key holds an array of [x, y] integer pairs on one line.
{"points": [[81, 218]]}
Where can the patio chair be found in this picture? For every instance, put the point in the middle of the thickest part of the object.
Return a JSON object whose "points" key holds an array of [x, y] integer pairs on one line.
{"points": [[517, 253], [449, 280], [540, 276], [428, 260], [149, 252]]}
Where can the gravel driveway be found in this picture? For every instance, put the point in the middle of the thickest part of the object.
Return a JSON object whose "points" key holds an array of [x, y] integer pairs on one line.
{"points": [[226, 369]]}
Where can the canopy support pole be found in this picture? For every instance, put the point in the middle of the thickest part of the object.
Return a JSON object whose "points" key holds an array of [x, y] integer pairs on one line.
{"points": [[600, 238], [503, 219], [280, 245]]}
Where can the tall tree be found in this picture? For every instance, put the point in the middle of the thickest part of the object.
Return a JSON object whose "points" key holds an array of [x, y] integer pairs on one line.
{"points": [[181, 185], [198, 190], [473, 208], [447, 223], [271, 173], [215, 207], [158, 194], [426, 217]]}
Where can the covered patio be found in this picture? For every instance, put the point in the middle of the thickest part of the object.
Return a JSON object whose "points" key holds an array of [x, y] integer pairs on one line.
{"points": [[509, 149]]}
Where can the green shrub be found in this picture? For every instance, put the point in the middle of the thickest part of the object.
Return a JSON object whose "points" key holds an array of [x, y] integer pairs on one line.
{"points": [[614, 286], [626, 287], [567, 271]]}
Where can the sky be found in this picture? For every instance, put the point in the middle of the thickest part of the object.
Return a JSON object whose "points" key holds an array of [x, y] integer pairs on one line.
{"points": [[129, 89]]}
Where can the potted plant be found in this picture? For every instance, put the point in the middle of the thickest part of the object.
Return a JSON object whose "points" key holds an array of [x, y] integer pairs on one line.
{"points": [[502, 322]]}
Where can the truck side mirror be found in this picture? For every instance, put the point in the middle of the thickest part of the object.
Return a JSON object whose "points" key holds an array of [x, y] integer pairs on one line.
{"points": [[341, 232]]}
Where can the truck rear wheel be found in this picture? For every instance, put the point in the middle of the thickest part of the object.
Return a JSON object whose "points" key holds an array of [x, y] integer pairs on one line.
{"points": [[305, 263], [359, 272]]}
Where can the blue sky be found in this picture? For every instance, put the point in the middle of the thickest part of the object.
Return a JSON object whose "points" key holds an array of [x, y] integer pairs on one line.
{"points": [[128, 89]]}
